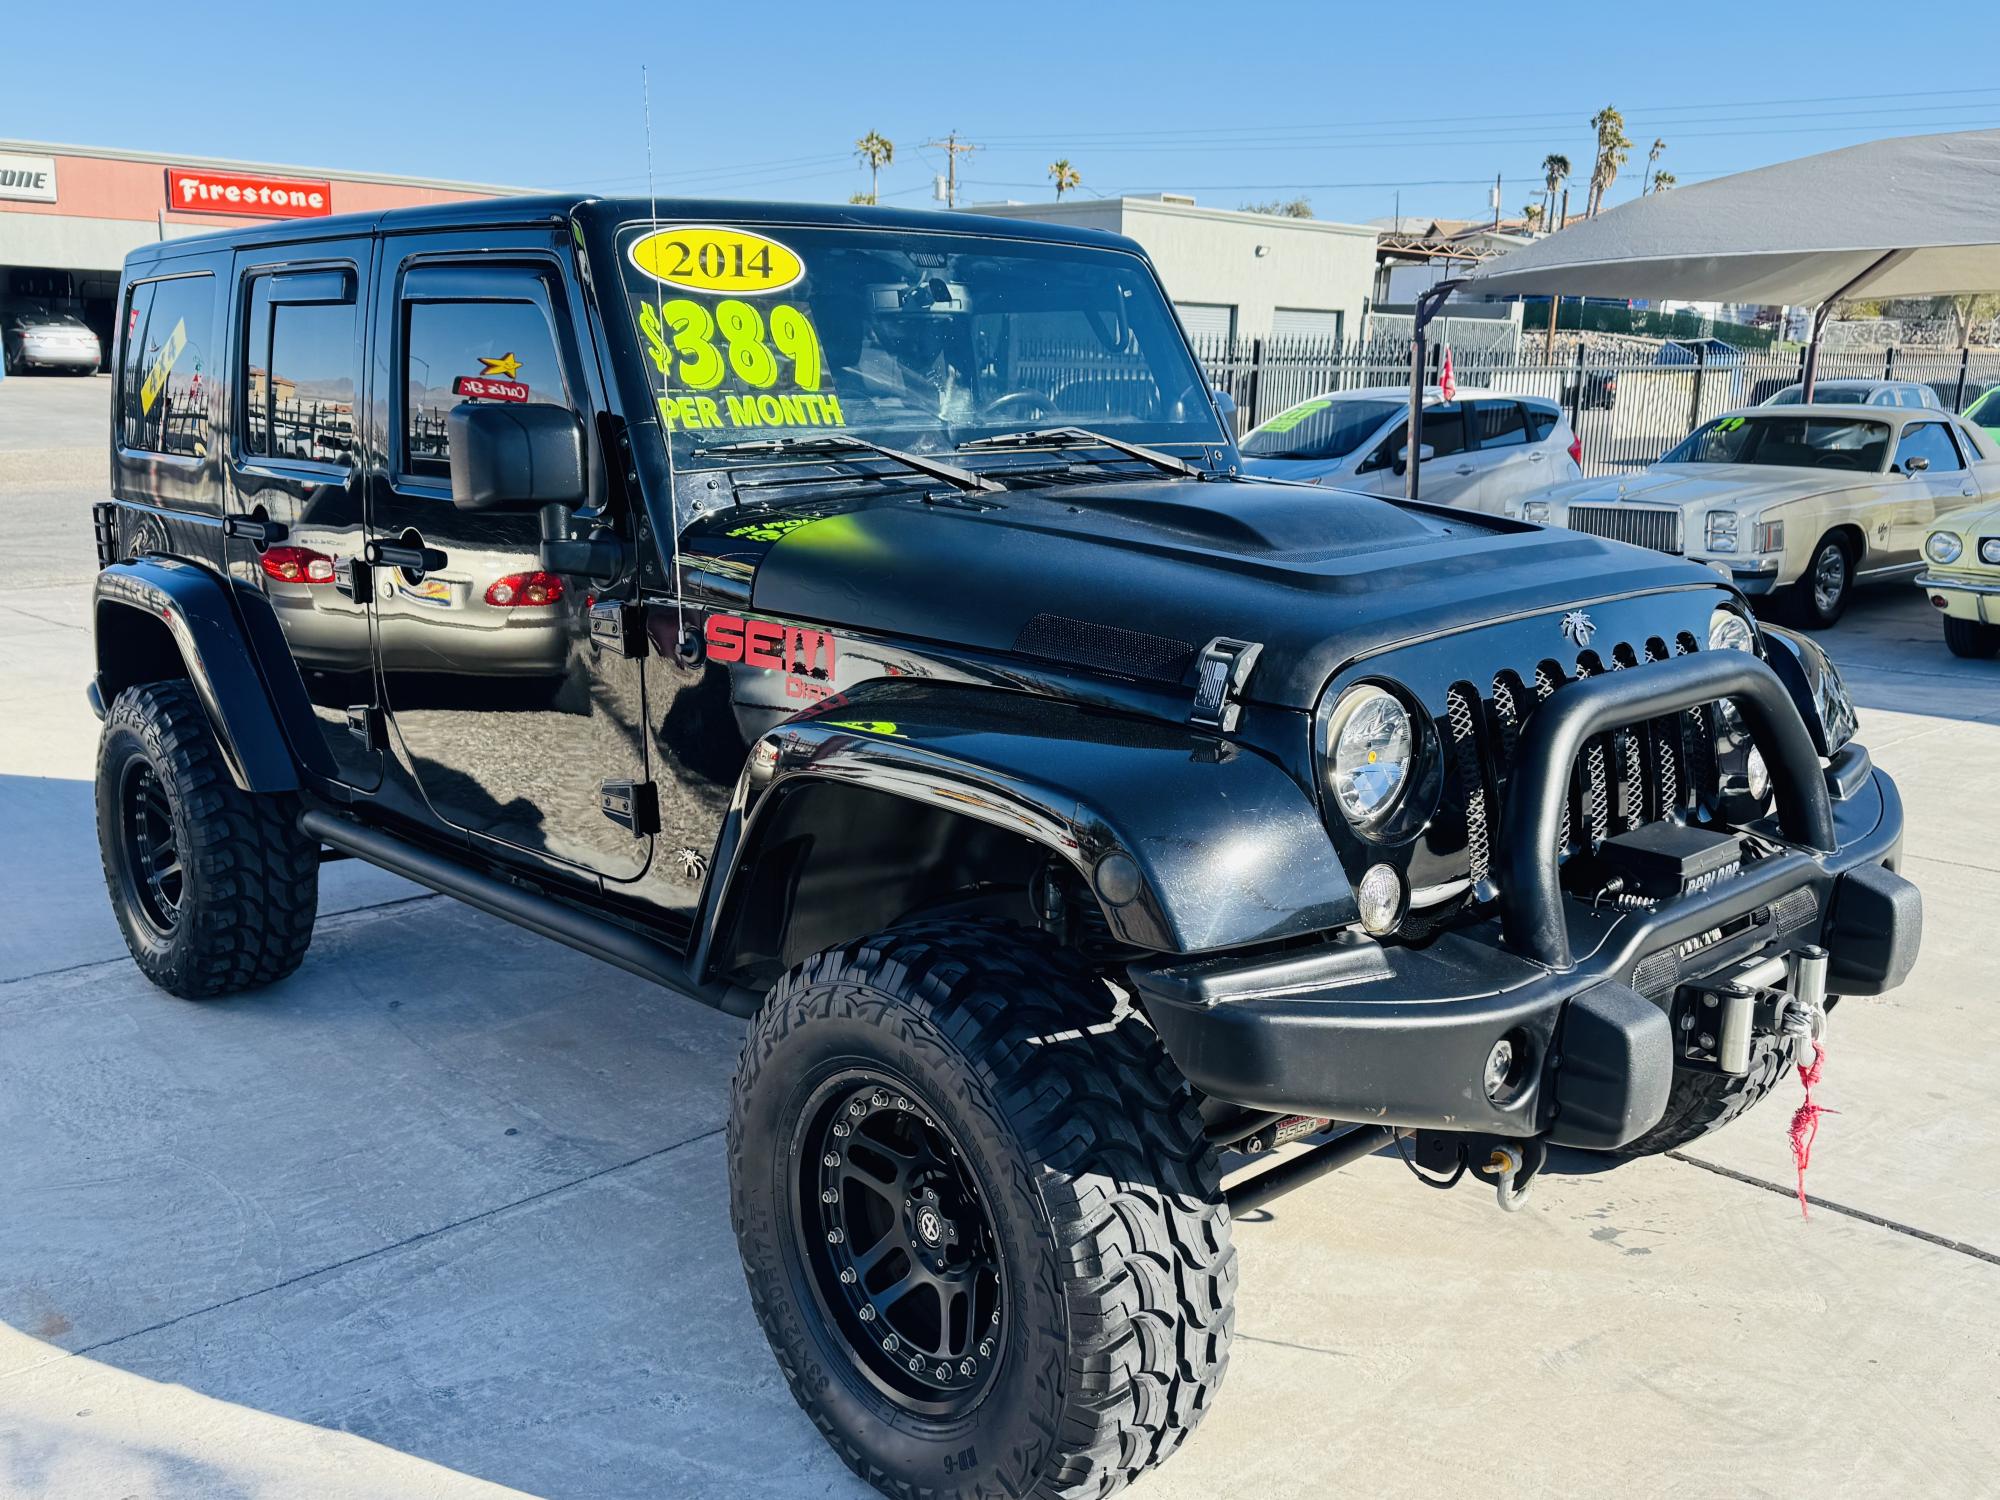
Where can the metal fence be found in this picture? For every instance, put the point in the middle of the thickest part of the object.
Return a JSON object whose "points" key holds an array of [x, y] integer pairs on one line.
{"points": [[1628, 407]]}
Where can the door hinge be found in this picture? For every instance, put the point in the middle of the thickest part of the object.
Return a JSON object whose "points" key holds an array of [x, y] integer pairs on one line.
{"points": [[633, 805], [1221, 674], [366, 723], [618, 626]]}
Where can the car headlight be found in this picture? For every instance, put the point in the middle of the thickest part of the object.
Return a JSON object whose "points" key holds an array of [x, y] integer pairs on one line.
{"points": [[1370, 741], [1721, 531], [1729, 631], [1989, 550], [1944, 547], [1536, 512]]}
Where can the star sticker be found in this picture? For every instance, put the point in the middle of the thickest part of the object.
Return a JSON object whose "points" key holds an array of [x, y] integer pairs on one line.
{"points": [[506, 366]]}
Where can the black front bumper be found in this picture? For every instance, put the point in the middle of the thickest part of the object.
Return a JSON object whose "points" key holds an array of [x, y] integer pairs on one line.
{"points": [[1401, 1035]]}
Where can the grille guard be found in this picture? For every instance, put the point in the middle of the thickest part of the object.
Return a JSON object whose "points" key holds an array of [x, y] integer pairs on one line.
{"points": [[1531, 895]]}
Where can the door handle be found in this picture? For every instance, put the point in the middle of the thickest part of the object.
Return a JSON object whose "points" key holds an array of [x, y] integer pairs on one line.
{"points": [[1535, 455], [418, 560], [1463, 469], [250, 529]]}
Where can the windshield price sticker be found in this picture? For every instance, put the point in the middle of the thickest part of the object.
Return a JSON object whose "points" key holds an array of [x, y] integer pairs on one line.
{"points": [[706, 258], [1285, 421], [775, 364]]}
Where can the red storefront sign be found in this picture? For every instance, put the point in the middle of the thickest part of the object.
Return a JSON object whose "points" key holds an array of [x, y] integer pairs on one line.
{"points": [[484, 388], [198, 190]]}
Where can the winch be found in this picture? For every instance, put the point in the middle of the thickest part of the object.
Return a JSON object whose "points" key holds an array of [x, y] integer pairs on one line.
{"points": [[1780, 994]]}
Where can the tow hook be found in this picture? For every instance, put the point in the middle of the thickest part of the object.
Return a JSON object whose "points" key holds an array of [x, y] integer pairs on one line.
{"points": [[1508, 1166]]}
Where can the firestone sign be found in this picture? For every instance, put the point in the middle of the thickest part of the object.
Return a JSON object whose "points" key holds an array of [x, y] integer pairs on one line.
{"points": [[28, 179], [192, 190]]}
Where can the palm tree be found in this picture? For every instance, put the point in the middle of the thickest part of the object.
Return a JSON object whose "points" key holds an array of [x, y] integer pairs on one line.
{"points": [[1064, 176], [1555, 170], [1651, 156], [1663, 180], [877, 151], [1612, 146], [1531, 213]]}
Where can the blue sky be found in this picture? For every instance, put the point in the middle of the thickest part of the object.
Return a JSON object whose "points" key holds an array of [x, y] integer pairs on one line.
{"points": [[1348, 105]]}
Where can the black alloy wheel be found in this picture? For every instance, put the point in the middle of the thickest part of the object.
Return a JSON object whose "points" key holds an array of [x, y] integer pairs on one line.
{"points": [[904, 1256], [152, 869]]}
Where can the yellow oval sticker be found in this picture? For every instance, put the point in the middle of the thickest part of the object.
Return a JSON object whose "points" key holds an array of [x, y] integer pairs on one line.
{"points": [[706, 258]]}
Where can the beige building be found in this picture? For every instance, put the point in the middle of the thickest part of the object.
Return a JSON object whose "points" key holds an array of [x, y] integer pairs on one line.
{"points": [[1250, 275]]}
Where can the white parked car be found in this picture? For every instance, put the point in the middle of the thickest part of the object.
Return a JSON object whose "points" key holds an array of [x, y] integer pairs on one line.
{"points": [[1811, 499], [1859, 393], [1482, 451]]}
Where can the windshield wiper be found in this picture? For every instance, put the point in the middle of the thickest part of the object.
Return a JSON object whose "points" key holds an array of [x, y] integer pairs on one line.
{"points": [[840, 442], [1081, 437]]}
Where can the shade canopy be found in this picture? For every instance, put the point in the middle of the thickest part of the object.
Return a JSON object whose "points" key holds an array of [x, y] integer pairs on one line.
{"points": [[1923, 211]]}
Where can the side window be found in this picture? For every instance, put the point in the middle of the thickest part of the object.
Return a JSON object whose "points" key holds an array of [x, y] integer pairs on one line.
{"points": [[1928, 440], [503, 349], [1444, 430], [1501, 424], [301, 364], [164, 370], [1542, 421]]}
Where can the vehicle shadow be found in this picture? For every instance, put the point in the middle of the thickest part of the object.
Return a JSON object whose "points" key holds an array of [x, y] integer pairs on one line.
{"points": [[450, 1188]]}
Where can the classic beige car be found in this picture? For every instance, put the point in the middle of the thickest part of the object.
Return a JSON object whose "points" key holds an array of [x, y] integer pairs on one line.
{"points": [[1963, 580], [1798, 501]]}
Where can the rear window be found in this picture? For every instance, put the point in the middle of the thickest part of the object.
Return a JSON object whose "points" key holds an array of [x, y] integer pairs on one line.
{"points": [[1541, 422], [165, 376]]}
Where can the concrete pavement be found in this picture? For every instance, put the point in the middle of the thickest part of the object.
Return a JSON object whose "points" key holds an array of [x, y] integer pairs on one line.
{"points": [[444, 1214]]}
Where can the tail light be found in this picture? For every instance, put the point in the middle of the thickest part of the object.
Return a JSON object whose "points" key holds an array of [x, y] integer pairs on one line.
{"points": [[296, 565], [517, 590], [1576, 450]]}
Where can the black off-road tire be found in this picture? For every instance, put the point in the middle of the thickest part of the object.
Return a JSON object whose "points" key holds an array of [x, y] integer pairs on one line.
{"points": [[1702, 1101], [1085, 1143], [248, 886], [1971, 639]]}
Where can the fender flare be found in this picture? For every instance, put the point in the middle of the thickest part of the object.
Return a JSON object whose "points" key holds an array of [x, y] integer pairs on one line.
{"points": [[1229, 850], [214, 644]]}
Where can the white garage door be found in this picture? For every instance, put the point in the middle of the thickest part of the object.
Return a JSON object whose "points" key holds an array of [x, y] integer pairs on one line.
{"points": [[1305, 323], [1207, 322]]}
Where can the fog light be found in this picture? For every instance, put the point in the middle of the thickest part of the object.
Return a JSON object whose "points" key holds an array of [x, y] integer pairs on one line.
{"points": [[1499, 1068], [1117, 879], [1756, 775], [1381, 899]]}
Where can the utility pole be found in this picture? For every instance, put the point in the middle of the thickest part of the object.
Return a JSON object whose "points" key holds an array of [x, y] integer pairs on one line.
{"points": [[953, 148]]}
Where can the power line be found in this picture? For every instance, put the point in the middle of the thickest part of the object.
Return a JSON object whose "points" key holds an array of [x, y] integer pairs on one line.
{"points": [[953, 148]]}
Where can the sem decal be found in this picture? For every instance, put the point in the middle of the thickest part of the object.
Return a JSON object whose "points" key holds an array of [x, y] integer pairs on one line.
{"points": [[808, 658], [709, 258], [162, 366]]}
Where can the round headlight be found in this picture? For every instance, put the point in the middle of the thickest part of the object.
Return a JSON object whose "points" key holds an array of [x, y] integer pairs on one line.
{"points": [[1942, 547], [1989, 550], [1729, 631], [1369, 747]]}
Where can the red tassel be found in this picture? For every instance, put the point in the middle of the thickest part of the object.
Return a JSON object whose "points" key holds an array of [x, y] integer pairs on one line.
{"points": [[1805, 1122]]}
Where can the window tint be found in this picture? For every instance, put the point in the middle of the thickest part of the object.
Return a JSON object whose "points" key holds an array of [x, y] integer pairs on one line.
{"points": [[472, 351], [1444, 435], [1928, 440], [163, 380], [302, 360], [1322, 428], [1541, 422], [1500, 424]]}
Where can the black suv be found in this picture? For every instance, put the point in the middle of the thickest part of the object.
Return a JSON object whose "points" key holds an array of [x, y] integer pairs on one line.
{"points": [[855, 620]]}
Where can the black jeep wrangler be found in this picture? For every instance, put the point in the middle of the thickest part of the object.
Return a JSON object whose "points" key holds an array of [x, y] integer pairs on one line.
{"points": [[855, 620]]}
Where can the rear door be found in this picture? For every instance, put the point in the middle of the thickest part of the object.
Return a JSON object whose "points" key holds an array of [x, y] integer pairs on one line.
{"points": [[296, 365], [515, 727]]}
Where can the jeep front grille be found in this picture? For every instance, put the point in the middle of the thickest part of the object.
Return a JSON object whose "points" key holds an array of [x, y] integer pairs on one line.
{"points": [[1656, 528], [1623, 778]]}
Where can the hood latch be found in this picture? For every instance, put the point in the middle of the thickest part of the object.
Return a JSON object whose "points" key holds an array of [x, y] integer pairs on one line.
{"points": [[1222, 672]]}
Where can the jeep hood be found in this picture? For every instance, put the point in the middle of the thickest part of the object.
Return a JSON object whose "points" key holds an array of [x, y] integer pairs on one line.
{"points": [[1739, 487], [1318, 576]]}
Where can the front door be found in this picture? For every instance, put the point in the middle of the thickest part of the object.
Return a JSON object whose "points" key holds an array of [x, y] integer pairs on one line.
{"points": [[295, 466], [515, 726], [1920, 496]]}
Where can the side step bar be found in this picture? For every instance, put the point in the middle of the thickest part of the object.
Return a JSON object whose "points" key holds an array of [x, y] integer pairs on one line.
{"points": [[541, 914], [1296, 1171]]}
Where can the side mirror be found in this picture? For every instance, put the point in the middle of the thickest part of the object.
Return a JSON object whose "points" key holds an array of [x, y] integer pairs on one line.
{"points": [[508, 456], [1916, 463], [1425, 453]]}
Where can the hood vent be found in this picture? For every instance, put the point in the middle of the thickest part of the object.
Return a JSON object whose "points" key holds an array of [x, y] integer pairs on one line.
{"points": [[1105, 648]]}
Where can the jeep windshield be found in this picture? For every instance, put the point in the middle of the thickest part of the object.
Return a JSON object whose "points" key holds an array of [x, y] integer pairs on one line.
{"points": [[914, 341], [1786, 442]]}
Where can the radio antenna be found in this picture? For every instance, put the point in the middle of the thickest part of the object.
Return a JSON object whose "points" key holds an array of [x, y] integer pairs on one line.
{"points": [[683, 646]]}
